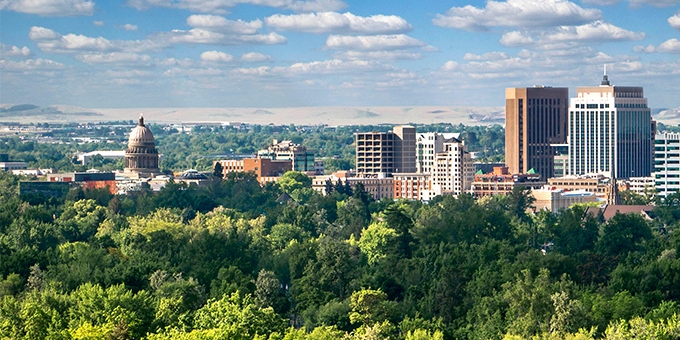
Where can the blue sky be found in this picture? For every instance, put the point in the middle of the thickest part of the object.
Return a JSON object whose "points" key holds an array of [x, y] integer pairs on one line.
{"points": [[290, 53]]}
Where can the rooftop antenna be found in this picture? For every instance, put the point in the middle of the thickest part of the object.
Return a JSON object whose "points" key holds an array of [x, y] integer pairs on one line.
{"points": [[605, 79]]}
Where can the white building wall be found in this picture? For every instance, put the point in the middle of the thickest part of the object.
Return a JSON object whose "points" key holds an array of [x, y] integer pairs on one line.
{"points": [[452, 169], [667, 163], [428, 144]]}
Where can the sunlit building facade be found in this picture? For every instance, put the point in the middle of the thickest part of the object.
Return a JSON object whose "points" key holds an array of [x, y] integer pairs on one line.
{"points": [[610, 131]]}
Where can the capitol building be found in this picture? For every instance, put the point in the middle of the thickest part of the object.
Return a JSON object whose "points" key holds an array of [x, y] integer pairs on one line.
{"points": [[141, 155]]}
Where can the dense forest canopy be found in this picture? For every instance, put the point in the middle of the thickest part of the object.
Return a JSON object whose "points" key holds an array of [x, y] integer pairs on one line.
{"points": [[230, 262]]}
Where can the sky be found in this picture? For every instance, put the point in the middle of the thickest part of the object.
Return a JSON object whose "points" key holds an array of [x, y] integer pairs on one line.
{"points": [[358, 53]]}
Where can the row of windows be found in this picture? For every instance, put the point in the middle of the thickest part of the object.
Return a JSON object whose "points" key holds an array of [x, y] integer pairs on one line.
{"points": [[636, 94], [659, 176], [666, 169], [630, 105], [591, 106]]}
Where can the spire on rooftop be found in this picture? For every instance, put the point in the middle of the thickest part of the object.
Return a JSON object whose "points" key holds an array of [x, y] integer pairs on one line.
{"points": [[605, 79]]}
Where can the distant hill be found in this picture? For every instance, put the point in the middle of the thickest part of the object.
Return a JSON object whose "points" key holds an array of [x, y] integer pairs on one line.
{"points": [[23, 112], [668, 116], [330, 115]]}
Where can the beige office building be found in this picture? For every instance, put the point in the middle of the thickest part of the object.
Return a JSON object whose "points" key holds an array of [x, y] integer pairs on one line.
{"points": [[535, 118]]}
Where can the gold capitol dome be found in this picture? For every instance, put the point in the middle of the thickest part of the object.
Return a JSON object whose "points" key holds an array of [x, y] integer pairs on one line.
{"points": [[141, 155]]}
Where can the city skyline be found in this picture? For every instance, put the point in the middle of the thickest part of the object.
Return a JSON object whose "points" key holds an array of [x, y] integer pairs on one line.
{"points": [[284, 53]]}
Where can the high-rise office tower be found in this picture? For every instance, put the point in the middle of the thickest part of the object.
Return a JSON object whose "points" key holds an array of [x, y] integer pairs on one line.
{"points": [[610, 131], [404, 148], [386, 152], [535, 118]]}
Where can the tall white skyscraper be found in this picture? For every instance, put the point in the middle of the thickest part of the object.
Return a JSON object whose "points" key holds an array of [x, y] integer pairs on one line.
{"points": [[610, 131]]}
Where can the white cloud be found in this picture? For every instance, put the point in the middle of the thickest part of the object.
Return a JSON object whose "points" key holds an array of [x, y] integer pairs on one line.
{"points": [[30, 65], [49, 8], [599, 58], [98, 23], [115, 58], [333, 22], [51, 41], [14, 51], [130, 27], [325, 67], [254, 71], [644, 49], [628, 66], [601, 2], [373, 43], [377, 55], [221, 24], [634, 3], [317, 5], [670, 46], [332, 66], [517, 13], [516, 38], [223, 6], [598, 31], [450, 65], [169, 62], [595, 32], [255, 57], [202, 36], [674, 21], [217, 57], [42, 33], [192, 72], [486, 56], [656, 3], [128, 73]]}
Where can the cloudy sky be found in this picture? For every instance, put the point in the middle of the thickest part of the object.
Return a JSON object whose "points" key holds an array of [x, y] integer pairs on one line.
{"points": [[291, 53]]}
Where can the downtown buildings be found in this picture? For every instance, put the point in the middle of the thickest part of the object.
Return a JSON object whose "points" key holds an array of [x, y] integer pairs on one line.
{"points": [[421, 165], [603, 130]]}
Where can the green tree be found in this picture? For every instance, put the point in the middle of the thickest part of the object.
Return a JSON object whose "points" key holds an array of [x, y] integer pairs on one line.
{"points": [[294, 180]]}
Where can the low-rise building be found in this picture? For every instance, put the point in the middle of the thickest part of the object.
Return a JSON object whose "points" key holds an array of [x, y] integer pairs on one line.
{"points": [[410, 185], [557, 199], [640, 185], [88, 180], [266, 170], [596, 184], [85, 157], [11, 166], [500, 181], [301, 159], [44, 189], [378, 187]]}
